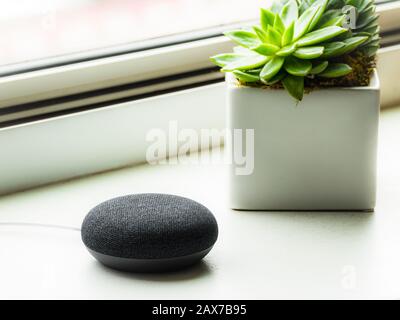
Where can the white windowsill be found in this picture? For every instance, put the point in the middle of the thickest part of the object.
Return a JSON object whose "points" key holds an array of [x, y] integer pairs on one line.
{"points": [[112, 137], [258, 255]]}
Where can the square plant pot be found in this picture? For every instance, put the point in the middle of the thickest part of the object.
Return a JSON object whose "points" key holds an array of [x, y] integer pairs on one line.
{"points": [[319, 154]]}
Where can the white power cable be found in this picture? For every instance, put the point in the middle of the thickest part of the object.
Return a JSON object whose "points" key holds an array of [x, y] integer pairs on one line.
{"points": [[39, 225]]}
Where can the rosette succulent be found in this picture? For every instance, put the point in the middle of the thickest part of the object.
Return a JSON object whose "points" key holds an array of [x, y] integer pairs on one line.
{"points": [[305, 43]]}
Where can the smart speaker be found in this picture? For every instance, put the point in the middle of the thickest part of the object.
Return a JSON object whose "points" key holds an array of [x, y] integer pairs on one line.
{"points": [[149, 232]]}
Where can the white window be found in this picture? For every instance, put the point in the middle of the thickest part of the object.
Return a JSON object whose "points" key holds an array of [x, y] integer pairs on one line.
{"points": [[113, 61]]}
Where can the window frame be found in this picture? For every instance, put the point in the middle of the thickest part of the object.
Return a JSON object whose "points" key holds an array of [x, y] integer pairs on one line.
{"points": [[183, 54], [81, 143]]}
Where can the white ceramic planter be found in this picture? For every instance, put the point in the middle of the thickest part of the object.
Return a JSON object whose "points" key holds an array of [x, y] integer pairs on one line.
{"points": [[317, 155]]}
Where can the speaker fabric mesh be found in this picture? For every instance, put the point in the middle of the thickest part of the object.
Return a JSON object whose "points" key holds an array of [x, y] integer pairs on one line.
{"points": [[149, 226]]}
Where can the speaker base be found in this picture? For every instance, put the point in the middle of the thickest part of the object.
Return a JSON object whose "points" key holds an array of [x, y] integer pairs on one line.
{"points": [[149, 265]]}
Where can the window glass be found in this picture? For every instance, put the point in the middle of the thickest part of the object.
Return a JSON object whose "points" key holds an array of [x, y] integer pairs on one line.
{"points": [[33, 30]]}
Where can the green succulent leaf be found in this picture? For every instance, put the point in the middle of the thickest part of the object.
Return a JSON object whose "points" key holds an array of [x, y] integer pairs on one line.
{"points": [[371, 38], [373, 22], [266, 49], [254, 72], [303, 23], [366, 17], [331, 18], [372, 30], [267, 18], [335, 70], [319, 36], [272, 67], [345, 35], [359, 4], [223, 59], [364, 4], [374, 41], [277, 5], [273, 37], [350, 45], [246, 63], [289, 13], [276, 78], [244, 38], [245, 76], [321, 5], [297, 67], [329, 15], [286, 51], [331, 49], [319, 67], [368, 22], [261, 34], [362, 34], [278, 24], [336, 49], [370, 50], [336, 3], [295, 86], [287, 36], [335, 22], [304, 5], [309, 52]]}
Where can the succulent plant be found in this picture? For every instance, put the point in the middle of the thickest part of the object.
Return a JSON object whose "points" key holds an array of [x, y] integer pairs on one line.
{"points": [[301, 39], [365, 22]]}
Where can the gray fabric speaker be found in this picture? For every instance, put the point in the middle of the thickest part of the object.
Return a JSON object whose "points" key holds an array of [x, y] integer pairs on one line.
{"points": [[149, 232]]}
